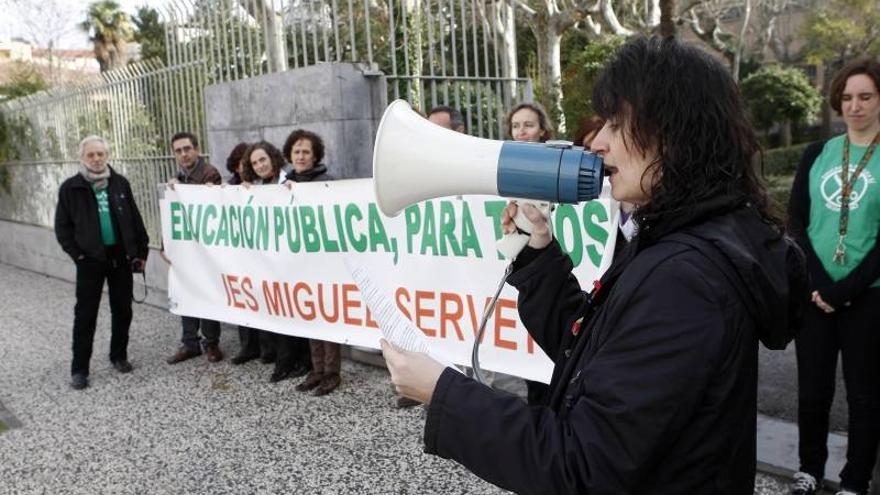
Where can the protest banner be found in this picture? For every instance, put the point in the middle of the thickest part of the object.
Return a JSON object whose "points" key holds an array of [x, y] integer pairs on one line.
{"points": [[273, 258]]}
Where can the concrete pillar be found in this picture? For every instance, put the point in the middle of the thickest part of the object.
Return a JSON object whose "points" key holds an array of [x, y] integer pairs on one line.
{"points": [[341, 102]]}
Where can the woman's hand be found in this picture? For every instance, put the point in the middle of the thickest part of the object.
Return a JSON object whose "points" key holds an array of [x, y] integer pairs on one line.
{"points": [[414, 374], [289, 184], [824, 306], [540, 237]]}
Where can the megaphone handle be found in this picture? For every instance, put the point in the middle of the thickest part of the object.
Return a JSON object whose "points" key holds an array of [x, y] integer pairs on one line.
{"points": [[511, 244]]}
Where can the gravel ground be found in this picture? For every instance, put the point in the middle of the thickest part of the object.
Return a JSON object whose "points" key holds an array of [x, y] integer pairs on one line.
{"points": [[195, 427]]}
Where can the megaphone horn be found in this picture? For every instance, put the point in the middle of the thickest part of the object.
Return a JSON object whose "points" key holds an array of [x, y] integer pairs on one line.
{"points": [[415, 160]]}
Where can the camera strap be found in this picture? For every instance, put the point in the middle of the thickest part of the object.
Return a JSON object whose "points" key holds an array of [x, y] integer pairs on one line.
{"points": [[141, 301]]}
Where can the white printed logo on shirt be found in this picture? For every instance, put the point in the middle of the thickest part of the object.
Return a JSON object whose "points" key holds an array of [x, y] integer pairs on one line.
{"points": [[832, 187]]}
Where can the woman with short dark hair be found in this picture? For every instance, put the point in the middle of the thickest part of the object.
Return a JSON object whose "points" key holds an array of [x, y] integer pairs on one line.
{"points": [[305, 150]]}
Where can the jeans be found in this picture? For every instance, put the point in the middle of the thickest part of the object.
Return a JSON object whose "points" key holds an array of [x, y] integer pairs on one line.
{"points": [[190, 338], [852, 332], [90, 276]]}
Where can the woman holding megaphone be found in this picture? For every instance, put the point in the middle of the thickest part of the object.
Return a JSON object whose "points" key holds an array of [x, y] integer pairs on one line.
{"points": [[654, 388]]}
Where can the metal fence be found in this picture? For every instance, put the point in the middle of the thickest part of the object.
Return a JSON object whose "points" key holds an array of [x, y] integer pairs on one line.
{"points": [[460, 53], [136, 108]]}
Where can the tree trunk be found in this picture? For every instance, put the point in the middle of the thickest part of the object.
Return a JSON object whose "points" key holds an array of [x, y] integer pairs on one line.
{"points": [[785, 133], [667, 26], [737, 57], [652, 14], [549, 42], [507, 30], [827, 75], [271, 23], [416, 53]]}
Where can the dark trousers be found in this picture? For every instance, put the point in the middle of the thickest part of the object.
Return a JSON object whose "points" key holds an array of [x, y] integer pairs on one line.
{"points": [[293, 352], [256, 342], [875, 481], [853, 332], [190, 338], [326, 356], [90, 276]]}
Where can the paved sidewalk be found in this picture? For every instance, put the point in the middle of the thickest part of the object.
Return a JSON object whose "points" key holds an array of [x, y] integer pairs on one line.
{"points": [[195, 428]]}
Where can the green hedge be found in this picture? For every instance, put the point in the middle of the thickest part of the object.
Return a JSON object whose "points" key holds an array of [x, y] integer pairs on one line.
{"points": [[783, 161], [779, 187]]}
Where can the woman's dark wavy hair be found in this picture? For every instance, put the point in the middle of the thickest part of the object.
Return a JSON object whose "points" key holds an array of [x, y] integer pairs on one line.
{"points": [[235, 157], [247, 170], [677, 101], [317, 144]]}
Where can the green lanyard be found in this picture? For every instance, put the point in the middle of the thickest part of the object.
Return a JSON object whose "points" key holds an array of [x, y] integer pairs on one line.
{"points": [[846, 187]]}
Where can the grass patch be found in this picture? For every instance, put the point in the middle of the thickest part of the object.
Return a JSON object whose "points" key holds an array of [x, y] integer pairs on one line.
{"points": [[3, 427]]}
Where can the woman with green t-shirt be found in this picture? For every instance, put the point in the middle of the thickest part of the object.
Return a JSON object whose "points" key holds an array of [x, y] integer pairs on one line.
{"points": [[835, 217]]}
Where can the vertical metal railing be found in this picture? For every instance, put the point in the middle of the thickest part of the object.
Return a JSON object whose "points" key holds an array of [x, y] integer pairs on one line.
{"points": [[433, 52], [136, 108]]}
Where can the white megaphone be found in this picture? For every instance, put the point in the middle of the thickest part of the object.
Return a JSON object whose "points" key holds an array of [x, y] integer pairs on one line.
{"points": [[415, 160]]}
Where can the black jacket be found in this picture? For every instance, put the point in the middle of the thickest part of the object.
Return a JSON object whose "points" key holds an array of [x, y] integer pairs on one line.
{"points": [[76, 219], [862, 276], [656, 391], [315, 174]]}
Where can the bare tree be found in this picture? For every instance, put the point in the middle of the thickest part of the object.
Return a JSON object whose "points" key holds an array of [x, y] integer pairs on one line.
{"points": [[665, 13], [271, 21], [548, 20], [44, 22]]}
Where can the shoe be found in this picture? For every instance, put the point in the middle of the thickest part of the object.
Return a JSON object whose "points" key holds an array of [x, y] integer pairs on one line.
{"points": [[122, 366], [328, 384], [280, 375], [313, 379], [79, 381], [846, 492], [803, 484], [405, 402], [182, 355], [299, 370], [267, 358], [214, 353], [241, 359]]}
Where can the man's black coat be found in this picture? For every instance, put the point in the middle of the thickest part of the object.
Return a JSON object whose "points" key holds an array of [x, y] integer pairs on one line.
{"points": [[78, 229]]}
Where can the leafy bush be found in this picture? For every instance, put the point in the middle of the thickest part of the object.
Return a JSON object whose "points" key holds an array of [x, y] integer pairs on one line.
{"points": [[779, 187], [776, 95], [783, 161], [579, 76]]}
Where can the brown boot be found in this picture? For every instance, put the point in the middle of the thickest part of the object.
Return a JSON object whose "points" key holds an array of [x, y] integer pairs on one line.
{"points": [[214, 353], [328, 384], [313, 379], [182, 355]]}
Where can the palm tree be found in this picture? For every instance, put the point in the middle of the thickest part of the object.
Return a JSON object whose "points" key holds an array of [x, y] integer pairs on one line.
{"points": [[109, 30]]}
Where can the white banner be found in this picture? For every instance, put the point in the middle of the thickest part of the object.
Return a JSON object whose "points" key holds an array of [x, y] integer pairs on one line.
{"points": [[271, 258]]}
